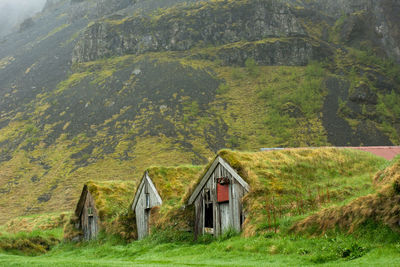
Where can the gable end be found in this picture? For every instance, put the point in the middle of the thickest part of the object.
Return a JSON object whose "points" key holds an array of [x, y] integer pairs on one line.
{"points": [[81, 202], [146, 178], [218, 160]]}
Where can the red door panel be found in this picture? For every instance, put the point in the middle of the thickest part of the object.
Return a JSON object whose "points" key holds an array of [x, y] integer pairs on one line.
{"points": [[222, 192]]}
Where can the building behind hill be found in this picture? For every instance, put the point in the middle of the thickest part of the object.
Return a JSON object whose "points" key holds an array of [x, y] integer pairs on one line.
{"points": [[387, 152]]}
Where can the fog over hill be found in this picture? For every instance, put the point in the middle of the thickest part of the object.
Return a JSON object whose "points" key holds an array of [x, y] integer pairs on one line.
{"points": [[14, 12]]}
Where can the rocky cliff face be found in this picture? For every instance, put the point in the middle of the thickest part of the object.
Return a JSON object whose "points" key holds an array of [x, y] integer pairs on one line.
{"points": [[180, 29], [228, 22], [375, 19]]}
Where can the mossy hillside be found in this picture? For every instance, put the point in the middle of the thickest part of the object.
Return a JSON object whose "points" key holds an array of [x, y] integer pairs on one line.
{"points": [[112, 117], [171, 126], [293, 182], [366, 96], [44, 173], [380, 207], [43, 221], [32, 243], [119, 146], [32, 235], [281, 108]]}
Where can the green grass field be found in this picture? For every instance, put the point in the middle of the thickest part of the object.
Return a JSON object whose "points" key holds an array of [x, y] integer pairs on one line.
{"points": [[371, 246], [359, 238]]}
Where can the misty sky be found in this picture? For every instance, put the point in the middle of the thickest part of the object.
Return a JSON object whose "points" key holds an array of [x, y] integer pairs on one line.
{"points": [[13, 12]]}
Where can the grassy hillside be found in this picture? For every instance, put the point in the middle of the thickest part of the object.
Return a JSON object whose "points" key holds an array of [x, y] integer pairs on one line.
{"points": [[286, 188], [63, 124]]}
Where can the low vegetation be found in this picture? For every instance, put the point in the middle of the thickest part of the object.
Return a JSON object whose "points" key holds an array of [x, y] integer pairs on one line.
{"points": [[111, 199], [294, 182], [311, 182], [381, 207], [374, 245]]}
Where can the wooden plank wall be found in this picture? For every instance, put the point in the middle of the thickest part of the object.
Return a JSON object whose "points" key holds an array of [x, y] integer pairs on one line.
{"points": [[226, 215], [142, 214], [89, 226]]}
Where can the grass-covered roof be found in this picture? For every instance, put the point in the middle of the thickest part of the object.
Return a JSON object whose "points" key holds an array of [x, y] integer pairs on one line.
{"points": [[110, 197], [172, 182], [382, 207], [294, 181]]}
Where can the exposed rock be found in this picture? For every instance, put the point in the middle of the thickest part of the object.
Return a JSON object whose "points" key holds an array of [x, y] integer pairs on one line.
{"points": [[369, 134], [44, 197], [286, 51], [338, 129], [26, 24], [382, 20], [356, 28], [363, 94], [213, 23], [390, 27]]}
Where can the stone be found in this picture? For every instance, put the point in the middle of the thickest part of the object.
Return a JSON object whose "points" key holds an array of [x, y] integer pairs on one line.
{"points": [[363, 94], [216, 23]]}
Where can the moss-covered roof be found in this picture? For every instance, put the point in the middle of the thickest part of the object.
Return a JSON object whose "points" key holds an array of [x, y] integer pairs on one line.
{"points": [[286, 179], [383, 207], [111, 197], [172, 182]]}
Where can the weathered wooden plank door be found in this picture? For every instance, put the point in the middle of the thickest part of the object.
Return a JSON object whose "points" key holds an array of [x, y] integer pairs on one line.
{"points": [[142, 222], [225, 216], [91, 227]]}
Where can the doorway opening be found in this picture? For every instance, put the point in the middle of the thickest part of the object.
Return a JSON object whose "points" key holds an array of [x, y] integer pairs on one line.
{"points": [[90, 227], [208, 213]]}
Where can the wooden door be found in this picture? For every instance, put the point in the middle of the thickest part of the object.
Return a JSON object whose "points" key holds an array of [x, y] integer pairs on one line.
{"points": [[225, 216], [91, 227]]}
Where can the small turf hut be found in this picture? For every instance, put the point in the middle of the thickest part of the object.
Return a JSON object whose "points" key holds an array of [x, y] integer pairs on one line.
{"points": [[253, 191], [159, 194], [99, 203], [218, 199]]}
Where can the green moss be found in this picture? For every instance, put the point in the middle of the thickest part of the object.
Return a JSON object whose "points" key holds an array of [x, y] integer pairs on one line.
{"points": [[296, 181], [111, 197]]}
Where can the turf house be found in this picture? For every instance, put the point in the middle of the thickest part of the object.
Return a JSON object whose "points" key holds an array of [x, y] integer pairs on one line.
{"points": [[159, 192], [99, 204], [146, 197], [252, 191], [218, 199]]}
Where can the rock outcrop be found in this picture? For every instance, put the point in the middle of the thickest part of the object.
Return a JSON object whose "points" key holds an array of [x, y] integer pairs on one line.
{"points": [[183, 28], [377, 19]]}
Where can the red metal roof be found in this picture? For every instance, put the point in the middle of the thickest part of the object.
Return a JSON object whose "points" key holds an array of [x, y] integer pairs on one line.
{"points": [[388, 152]]}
